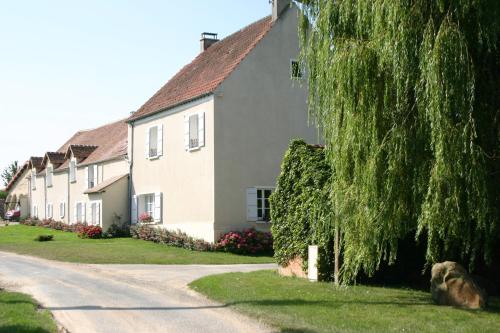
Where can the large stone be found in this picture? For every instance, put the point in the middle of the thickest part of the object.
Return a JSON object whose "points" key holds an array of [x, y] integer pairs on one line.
{"points": [[452, 285]]}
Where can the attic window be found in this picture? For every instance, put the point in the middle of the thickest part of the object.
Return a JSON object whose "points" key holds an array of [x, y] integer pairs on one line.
{"points": [[295, 70]]}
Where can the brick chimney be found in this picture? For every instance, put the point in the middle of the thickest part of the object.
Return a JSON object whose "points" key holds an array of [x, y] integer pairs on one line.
{"points": [[279, 7], [207, 40]]}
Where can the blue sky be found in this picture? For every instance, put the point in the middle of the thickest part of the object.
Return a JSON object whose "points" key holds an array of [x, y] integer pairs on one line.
{"points": [[68, 65]]}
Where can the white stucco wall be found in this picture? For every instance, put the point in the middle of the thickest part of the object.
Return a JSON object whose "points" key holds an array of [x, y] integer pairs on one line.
{"points": [[106, 170], [20, 189], [38, 196], [184, 178], [258, 110], [58, 193]]}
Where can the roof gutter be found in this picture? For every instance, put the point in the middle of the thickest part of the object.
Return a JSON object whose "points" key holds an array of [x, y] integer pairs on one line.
{"points": [[130, 121]]}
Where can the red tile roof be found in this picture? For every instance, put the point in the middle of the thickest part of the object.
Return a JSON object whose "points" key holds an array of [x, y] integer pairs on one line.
{"points": [[36, 162], [17, 175], [105, 184], [100, 144], [207, 71], [55, 158]]}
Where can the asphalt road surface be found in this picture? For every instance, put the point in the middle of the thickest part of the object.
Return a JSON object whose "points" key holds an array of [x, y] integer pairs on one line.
{"points": [[125, 298]]}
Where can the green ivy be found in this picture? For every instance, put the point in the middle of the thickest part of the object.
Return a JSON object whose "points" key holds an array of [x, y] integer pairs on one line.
{"points": [[301, 207]]}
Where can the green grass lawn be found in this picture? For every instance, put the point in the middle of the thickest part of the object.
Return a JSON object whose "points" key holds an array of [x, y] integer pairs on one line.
{"points": [[66, 246], [19, 313], [297, 305]]}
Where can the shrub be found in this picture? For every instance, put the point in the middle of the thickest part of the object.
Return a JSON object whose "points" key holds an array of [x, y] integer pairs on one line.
{"points": [[44, 238], [3, 195], [90, 231], [171, 238], [301, 208], [249, 241], [117, 230]]}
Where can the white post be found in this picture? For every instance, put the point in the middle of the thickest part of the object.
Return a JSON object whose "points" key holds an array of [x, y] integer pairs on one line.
{"points": [[312, 265]]}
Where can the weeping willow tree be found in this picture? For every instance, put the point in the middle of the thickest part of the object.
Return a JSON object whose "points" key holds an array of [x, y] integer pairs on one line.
{"points": [[407, 95]]}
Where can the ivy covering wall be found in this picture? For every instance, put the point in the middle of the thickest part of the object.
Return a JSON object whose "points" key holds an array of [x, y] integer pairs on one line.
{"points": [[301, 207]]}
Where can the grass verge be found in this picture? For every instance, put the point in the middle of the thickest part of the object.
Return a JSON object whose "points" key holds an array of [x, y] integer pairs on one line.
{"points": [[19, 313], [66, 246], [296, 305]]}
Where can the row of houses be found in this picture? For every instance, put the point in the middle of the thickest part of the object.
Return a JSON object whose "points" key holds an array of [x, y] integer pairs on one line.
{"points": [[201, 155]]}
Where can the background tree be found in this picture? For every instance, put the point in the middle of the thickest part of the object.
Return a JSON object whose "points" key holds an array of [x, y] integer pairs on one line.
{"points": [[406, 93], [9, 172]]}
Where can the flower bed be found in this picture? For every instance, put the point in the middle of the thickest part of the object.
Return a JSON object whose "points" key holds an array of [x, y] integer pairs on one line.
{"points": [[83, 230], [249, 241], [172, 238]]}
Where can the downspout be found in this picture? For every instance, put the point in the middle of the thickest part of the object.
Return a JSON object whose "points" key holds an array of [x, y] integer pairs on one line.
{"points": [[45, 195], [130, 170], [68, 205]]}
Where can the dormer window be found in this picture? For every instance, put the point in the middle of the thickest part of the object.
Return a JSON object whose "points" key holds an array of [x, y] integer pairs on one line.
{"points": [[33, 179], [48, 176], [72, 171]]}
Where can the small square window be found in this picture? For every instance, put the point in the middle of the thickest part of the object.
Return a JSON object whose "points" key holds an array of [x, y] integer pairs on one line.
{"points": [[295, 69]]}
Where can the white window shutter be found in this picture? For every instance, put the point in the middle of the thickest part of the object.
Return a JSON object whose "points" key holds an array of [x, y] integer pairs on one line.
{"points": [[75, 214], [98, 213], [201, 129], [251, 204], [186, 132], [147, 143], [95, 175], [86, 177], [134, 209], [84, 212], [158, 204], [160, 140]]}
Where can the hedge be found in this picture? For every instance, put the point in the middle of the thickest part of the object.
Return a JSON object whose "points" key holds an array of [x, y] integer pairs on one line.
{"points": [[301, 208]]}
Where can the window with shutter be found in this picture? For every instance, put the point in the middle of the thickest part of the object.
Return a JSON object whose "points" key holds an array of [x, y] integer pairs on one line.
{"points": [[48, 177], [94, 213], [90, 176], [258, 205], [193, 131], [157, 207], [153, 141], [134, 212], [72, 171], [62, 208], [33, 179]]}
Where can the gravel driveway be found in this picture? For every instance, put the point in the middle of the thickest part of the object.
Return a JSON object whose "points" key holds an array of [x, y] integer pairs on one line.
{"points": [[125, 298]]}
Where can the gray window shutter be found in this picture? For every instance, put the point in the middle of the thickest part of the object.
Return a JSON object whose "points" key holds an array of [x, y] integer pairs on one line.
{"points": [[158, 205], [98, 213], [160, 140], [134, 209], [251, 204], [146, 151], [86, 177], [75, 214], [95, 175], [201, 129], [84, 212], [186, 132]]}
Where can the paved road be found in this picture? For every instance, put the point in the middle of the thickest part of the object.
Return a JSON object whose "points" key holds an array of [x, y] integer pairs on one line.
{"points": [[125, 298]]}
